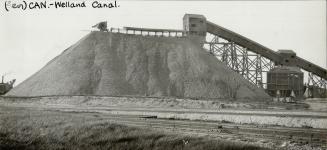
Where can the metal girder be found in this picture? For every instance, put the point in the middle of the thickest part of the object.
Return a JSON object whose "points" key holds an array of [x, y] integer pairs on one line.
{"points": [[252, 59], [317, 84], [315, 80], [250, 65], [253, 66], [242, 41], [262, 50]]}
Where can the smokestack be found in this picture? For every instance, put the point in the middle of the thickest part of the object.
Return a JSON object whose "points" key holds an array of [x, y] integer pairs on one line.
{"points": [[2, 79]]}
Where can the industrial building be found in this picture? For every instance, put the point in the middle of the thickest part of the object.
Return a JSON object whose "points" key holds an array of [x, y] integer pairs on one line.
{"points": [[283, 80], [286, 80], [195, 27]]}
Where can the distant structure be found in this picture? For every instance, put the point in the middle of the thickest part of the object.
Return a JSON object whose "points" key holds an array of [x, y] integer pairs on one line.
{"points": [[287, 58], [286, 79], [195, 26], [5, 87], [102, 26]]}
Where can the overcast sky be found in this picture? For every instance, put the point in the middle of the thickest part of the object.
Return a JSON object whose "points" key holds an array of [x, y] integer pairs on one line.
{"points": [[31, 38]]}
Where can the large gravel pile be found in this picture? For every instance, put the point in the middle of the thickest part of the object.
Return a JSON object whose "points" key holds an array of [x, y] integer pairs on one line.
{"points": [[116, 64]]}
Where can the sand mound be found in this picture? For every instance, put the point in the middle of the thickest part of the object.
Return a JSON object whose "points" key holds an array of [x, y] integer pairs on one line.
{"points": [[117, 64]]}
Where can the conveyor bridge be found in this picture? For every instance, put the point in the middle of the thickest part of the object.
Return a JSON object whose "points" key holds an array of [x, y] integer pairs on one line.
{"points": [[252, 59]]}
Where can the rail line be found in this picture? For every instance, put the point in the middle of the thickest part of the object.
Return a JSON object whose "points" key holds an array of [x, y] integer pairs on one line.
{"points": [[221, 130], [315, 137]]}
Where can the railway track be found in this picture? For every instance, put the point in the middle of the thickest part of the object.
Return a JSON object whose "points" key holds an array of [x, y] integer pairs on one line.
{"points": [[316, 137], [242, 132]]}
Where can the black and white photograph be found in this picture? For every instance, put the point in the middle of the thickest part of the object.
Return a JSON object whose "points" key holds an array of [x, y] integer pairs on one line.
{"points": [[163, 75]]}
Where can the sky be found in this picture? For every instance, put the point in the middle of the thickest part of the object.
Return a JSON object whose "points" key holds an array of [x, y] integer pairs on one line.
{"points": [[31, 38]]}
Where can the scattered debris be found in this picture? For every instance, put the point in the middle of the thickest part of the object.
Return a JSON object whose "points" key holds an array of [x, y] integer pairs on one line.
{"points": [[149, 117], [5, 87]]}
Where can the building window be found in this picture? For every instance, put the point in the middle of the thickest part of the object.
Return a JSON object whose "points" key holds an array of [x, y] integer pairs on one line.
{"points": [[193, 25]]}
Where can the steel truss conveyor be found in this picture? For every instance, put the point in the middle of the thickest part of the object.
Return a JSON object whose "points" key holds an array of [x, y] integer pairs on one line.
{"points": [[252, 59]]}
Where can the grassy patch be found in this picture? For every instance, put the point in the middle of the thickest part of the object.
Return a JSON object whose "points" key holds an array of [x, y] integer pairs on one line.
{"points": [[32, 129]]}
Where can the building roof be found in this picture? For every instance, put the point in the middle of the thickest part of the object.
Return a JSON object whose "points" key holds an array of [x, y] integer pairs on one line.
{"points": [[194, 16]]}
